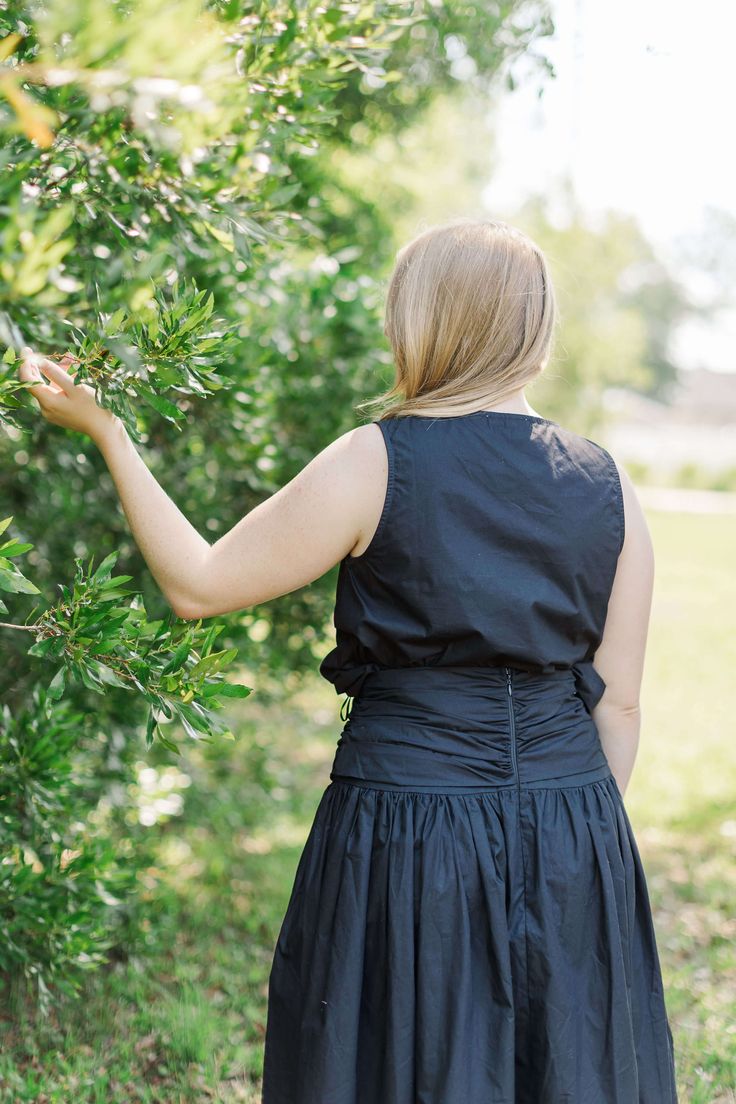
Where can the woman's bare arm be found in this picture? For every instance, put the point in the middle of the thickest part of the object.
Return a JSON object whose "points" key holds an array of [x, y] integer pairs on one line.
{"points": [[620, 657], [327, 510], [287, 541]]}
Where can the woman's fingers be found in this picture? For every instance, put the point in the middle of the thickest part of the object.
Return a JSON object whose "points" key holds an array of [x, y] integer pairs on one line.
{"points": [[62, 401], [70, 363], [56, 374], [32, 367], [30, 373], [28, 363]]}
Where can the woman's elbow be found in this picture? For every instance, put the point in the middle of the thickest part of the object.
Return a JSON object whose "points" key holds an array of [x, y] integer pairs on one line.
{"points": [[185, 610]]}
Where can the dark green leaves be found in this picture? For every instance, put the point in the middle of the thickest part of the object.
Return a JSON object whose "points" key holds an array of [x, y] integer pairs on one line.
{"points": [[173, 350], [101, 634], [11, 579]]}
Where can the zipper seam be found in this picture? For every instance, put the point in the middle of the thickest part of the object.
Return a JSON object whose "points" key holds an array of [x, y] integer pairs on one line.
{"points": [[512, 727], [512, 730]]}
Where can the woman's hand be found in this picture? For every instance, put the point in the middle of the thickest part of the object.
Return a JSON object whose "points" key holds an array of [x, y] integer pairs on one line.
{"points": [[64, 402]]}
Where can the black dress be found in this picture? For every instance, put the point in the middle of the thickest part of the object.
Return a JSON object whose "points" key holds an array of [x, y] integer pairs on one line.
{"points": [[469, 921]]}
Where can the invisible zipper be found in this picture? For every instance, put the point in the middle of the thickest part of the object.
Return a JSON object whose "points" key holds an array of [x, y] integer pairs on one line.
{"points": [[512, 723]]}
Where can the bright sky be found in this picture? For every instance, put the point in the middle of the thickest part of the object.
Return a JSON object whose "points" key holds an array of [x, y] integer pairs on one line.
{"points": [[639, 116]]}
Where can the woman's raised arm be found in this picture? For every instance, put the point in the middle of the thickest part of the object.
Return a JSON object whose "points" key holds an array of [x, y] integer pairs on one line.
{"points": [[287, 541]]}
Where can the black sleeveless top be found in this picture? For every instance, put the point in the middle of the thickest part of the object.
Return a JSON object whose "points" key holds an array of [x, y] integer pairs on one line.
{"points": [[497, 545]]}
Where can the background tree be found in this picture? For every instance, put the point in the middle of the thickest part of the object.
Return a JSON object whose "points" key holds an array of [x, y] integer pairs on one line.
{"points": [[620, 305], [171, 214]]}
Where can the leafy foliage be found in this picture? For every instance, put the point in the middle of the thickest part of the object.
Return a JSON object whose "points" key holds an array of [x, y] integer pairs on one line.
{"points": [[619, 306], [102, 642], [172, 215], [174, 346], [12, 580], [62, 885]]}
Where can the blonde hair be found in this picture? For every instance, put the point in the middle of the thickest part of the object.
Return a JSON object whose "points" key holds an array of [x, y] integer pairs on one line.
{"points": [[470, 315]]}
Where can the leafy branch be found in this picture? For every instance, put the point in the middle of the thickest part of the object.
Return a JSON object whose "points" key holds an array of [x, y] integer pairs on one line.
{"points": [[101, 636], [176, 345]]}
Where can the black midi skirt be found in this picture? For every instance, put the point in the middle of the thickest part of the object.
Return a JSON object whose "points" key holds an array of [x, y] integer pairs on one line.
{"points": [[469, 921]]}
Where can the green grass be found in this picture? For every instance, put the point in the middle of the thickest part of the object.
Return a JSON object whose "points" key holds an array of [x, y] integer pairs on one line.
{"points": [[185, 1021], [681, 796]]}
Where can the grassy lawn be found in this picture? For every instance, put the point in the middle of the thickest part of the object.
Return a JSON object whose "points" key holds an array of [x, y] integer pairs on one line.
{"points": [[187, 1022], [680, 799]]}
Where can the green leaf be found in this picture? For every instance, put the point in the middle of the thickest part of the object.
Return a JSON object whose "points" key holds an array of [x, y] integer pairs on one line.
{"points": [[13, 548], [150, 728], [226, 690], [150, 629], [114, 322], [162, 405], [190, 729], [116, 581], [49, 646], [57, 684], [212, 662], [213, 632], [14, 582], [110, 677], [105, 569], [167, 743], [179, 656], [88, 677], [282, 195]]}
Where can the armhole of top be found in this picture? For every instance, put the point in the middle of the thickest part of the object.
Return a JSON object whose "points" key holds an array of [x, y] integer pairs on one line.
{"points": [[383, 426], [619, 498]]}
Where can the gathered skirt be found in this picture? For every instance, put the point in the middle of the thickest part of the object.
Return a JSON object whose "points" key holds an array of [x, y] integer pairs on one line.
{"points": [[469, 921]]}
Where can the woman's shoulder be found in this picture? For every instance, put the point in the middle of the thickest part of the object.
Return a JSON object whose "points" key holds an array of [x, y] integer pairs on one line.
{"points": [[603, 466], [588, 446]]}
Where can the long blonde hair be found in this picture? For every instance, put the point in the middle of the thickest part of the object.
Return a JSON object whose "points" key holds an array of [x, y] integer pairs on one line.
{"points": [[470, 315]]}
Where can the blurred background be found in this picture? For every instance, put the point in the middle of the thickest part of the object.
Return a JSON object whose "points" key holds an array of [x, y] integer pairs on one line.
{"points": [[276, 156]]}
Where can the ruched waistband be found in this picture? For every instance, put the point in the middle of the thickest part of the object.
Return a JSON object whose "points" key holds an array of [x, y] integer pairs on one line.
{"points": [[463, 729]]}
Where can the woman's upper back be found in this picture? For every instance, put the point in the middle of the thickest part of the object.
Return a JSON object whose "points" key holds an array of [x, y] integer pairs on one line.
{"points": [[497, 544]]}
